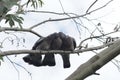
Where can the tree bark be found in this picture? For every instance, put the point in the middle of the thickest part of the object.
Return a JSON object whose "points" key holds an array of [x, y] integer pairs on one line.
{"points": [[96, 62]]}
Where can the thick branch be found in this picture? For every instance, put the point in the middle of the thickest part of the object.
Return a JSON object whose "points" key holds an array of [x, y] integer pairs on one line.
{"points": [[96, 62], [12, 52]]}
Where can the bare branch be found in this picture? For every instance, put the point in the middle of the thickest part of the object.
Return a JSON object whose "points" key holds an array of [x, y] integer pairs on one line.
{"points": [[91, 6], [52, 20], [12, 52], [50, 12], [100, 7], [66, 18], [94, 37], [19, 29], [14, 63], [61, 6], [59, 19], [14, 67]]}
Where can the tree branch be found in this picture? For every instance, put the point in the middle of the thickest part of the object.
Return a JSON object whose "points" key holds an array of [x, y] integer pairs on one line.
{"points": [[96, 62], [12, 52], [99, 7], [19, 29], [91, 6], [95, 37], [66, 18]]}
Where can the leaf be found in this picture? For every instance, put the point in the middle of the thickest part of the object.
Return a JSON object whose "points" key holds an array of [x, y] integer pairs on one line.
{"points": [[20, 25], [11, 23], [11, 18], [40, 2], [16, 18], [21, 18], [7, 18], [1, 57], [35, 3]]}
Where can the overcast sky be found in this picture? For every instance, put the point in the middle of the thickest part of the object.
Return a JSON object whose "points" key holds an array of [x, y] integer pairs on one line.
{"points": [[111, 17]]}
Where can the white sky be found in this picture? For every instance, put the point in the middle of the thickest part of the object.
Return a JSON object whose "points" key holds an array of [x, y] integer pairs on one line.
{"points": [[111, 15]]}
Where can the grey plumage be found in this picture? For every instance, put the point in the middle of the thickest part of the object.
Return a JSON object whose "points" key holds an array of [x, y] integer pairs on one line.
{"points": [[41, 44], [49, 59], [68, 44], [55, 41]]}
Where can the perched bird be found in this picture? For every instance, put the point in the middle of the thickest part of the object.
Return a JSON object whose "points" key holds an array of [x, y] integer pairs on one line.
{"points": [[49, 58], [68, 44], [41, 44], [55, 41]]}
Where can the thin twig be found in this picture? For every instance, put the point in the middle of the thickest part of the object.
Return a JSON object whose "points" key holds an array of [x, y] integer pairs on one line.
{"points": [[91, 6], [24, 69], [14, 67], [67, 18], [100, 7], [61, 6], [95, 37], [49, 12], [14, 63]]}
